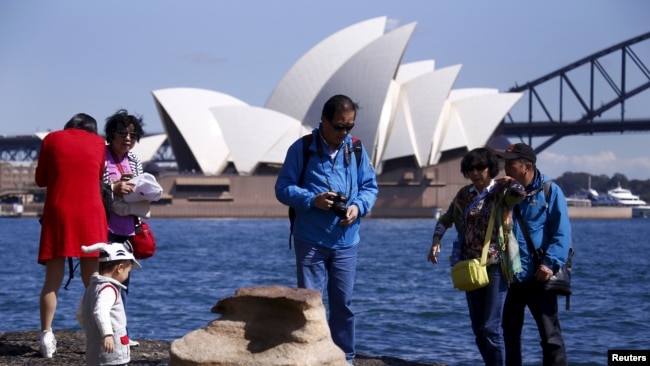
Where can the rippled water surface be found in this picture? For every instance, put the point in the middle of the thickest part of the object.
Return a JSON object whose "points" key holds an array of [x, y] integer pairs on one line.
{"points": [[406, 306]]}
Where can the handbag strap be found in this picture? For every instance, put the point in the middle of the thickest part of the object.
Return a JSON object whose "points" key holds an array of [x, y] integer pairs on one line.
{"points": [[137, 223], [536, 253], [117, 162], [488, 236], [477, 200]]}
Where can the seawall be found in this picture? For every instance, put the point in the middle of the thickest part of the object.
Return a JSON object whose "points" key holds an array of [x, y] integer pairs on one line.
{"points": [[600, 212], [221, 210]]}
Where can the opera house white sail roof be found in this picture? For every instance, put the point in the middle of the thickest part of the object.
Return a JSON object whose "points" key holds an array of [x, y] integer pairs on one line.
{"points": [[406, 109]]}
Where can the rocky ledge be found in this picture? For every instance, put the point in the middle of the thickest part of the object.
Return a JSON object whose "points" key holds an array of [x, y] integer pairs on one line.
{"points": [[21, 348]]}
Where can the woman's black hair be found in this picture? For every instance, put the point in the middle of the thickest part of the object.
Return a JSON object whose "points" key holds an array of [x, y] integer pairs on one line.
{"points": [[480, 156], [82, 121], [120, 121]]}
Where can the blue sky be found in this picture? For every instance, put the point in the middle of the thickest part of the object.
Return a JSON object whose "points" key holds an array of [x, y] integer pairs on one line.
{"points": [[61, 57]]}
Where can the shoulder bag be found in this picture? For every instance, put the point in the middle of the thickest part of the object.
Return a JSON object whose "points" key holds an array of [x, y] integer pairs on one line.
{"points": [[560, 282], [144, 243], [471, 274]]}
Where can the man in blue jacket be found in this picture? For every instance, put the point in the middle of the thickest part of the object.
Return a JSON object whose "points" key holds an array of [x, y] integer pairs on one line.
{"points": [[330, 193], [550, 230]]}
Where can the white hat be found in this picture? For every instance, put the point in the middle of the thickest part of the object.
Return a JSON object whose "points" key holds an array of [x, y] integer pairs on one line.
{"points": [[113, 252]]}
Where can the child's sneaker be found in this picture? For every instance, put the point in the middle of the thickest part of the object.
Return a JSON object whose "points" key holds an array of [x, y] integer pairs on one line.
{"points": [[47, 343]]}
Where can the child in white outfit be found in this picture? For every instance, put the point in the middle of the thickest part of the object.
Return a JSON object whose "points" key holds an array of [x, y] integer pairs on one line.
{"points": [[101, 311]]}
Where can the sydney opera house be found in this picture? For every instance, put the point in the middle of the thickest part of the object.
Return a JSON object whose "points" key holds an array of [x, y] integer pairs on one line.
{"points": [[413, 123]]}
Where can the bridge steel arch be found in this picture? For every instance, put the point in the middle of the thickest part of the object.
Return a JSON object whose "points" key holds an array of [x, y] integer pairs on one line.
{"points": [[633, 80]]}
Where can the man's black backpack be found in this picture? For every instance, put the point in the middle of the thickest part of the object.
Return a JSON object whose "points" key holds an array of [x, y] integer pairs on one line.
{"points": [[306, 141]]}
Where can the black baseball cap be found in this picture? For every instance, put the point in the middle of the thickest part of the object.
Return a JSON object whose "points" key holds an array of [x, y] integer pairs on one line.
{"points": [[519, 151]]}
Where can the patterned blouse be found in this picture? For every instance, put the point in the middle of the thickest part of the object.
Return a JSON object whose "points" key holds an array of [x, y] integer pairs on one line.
{"points": [[470, 213]]}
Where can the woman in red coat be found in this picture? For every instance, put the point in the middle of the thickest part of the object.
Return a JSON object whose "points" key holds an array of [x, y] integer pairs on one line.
{"points": [[70, 165]]}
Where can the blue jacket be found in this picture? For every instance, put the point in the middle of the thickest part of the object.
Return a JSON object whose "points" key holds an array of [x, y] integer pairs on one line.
{"points": [[548, 224], [323, 174]]}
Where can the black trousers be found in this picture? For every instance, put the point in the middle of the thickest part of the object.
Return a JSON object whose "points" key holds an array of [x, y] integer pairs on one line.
{"points": [[543, 307]]}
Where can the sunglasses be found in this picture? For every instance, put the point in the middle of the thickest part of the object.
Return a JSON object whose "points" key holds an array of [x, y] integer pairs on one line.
{"points": [[477, 167], [124, 134], [346, 128]]}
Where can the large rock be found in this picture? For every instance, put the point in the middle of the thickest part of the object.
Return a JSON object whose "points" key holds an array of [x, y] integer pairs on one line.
{"points": [[268, 325]]}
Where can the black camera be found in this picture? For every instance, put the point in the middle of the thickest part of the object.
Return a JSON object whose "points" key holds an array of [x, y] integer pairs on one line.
{"points": [[339, 205]]}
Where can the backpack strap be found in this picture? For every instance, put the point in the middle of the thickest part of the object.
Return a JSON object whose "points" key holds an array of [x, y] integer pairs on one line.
{"points": [[546, 186], [357, 147], [71, 268], [547, 189], [306, 141]]}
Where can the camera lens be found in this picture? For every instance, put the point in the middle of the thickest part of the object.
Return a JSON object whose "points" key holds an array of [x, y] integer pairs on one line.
{"points": [[339, 205], [340, 210]]}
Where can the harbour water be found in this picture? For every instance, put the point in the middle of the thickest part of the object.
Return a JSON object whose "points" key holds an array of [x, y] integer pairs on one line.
{"points": [[406, 306]]}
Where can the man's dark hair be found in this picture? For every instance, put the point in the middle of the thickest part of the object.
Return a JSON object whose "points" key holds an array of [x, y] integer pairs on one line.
{"points": [[337, 104]]}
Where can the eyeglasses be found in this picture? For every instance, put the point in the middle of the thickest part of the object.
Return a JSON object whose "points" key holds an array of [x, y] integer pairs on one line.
{"points": [[124, 134], [346, 128]]}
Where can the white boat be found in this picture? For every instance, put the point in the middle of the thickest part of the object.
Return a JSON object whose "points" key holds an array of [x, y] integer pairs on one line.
{"points": [[602, 199], [592, 196], [614, 197], [625, 197]]}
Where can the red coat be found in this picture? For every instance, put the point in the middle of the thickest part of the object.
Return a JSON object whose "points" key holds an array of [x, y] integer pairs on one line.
{"points": [[71, 165]]}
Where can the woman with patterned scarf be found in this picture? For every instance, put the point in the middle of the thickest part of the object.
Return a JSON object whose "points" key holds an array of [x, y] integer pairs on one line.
{"points": [[470, 213]]}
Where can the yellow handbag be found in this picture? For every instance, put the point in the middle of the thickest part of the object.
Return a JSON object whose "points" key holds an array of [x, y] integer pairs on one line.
{"points": [[471, 274]]}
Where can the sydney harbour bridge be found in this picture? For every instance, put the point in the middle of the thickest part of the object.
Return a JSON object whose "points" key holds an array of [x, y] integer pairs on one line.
{"points": [[586, 97]]}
